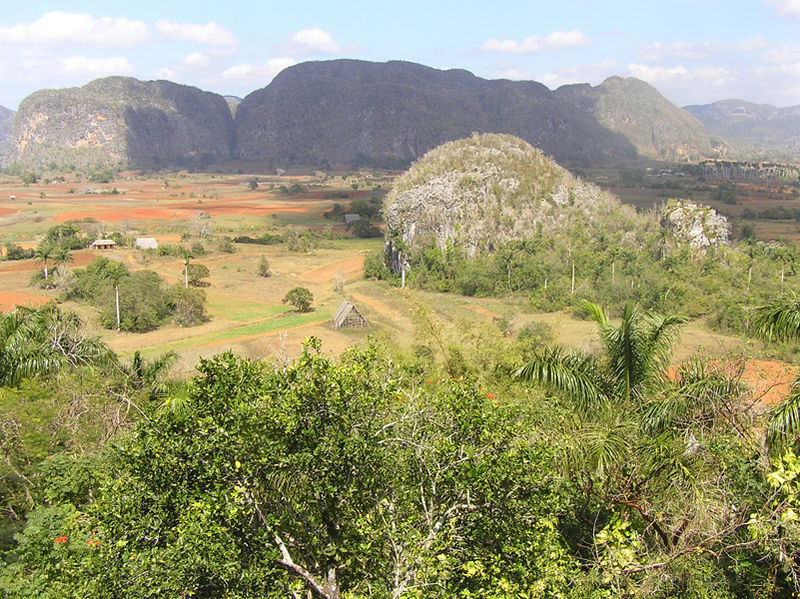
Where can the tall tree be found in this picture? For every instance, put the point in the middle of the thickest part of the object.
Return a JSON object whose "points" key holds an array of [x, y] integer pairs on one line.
{"points": [[45, 252]]}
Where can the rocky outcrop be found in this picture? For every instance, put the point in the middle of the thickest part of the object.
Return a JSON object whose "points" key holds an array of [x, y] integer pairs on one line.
{"points": [[233, 103], [480, 192], [6, 124], [119, 121], [694, 224], [355, 113], [657, 128]]}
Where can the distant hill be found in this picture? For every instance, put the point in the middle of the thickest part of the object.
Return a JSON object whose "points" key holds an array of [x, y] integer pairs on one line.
{"points": [[655, 126], [345, 113], [751, 128], [122, 121], [388, 114]]}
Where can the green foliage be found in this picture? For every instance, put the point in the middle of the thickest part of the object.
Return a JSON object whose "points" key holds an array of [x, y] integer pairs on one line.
{"points": [[252, 184], [300, 298], [15, 252], [40, 341], [96, 280], [188, 306], [315, 477], [144, 303], [196, 273], [226, 245], [66, 236]]}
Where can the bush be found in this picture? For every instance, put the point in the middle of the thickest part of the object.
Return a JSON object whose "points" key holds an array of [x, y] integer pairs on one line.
{"points": [[196, 274], [189, 306], [263, 267], [226, 246], [15, 252], [300, 298]]}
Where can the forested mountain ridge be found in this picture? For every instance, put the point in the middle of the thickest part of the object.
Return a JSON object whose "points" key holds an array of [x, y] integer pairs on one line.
{"points": [[345, 112]]}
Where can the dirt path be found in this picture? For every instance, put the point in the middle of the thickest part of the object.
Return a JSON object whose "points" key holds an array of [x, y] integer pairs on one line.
{"points": [[349, 268]]}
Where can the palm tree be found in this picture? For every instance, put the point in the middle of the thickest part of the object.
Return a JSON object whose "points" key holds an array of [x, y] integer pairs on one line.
{"points": [[780, 320], [636, 357], [62, 255], [35, 341], [611, 392], [187, 255], [44, 253]]}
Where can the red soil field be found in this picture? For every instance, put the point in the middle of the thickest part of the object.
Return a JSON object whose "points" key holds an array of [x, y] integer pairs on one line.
{"points": [[79, 259], [10, 299], [7, 211], [178, 212], [769, 381]]}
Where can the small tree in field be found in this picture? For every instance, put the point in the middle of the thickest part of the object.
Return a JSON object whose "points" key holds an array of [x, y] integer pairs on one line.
{"points": [[263, 267], [300, 298]]}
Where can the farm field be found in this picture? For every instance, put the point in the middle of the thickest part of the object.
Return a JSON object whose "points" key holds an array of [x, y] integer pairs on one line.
{"points": [[245, 311]]}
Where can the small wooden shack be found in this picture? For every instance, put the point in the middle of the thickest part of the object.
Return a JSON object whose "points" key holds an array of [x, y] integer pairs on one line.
{"points": [[104, 244], [348, 317]]}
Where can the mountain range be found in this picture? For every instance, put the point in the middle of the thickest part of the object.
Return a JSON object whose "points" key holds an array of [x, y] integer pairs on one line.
{"points": [[350, 113], [751, 130]]}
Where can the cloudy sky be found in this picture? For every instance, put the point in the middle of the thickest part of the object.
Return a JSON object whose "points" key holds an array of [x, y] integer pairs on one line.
{"points": [[693, 51]]}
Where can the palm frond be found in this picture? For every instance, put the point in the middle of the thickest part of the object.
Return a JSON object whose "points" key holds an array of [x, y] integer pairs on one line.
{"points": [[573, 375], [606, 444], [784, 419], [778, 320]]}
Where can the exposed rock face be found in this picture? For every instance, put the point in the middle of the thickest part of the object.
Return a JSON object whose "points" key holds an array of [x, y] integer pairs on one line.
{"points": [[388, 114], [121, 121], [656, 127], [749, 127], [699, 226], [483, 191], [233, 103], [6, 124]]}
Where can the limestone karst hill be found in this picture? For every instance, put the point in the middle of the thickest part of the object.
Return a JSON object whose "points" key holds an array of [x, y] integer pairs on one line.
{"points": [[480, 192], [345, 112], [122, 121]]}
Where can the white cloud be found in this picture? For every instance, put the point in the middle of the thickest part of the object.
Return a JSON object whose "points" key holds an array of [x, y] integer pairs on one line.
{"points": [[95, 67], [533, 44], [77, 28], [656, 75], [314, 42], [210, 33], [593, 73], [786, 8], [256, 75], [782, 55], [658, 52]]}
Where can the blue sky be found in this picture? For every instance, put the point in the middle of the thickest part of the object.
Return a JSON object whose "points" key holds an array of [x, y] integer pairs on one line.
{"points": [[693, 51]]}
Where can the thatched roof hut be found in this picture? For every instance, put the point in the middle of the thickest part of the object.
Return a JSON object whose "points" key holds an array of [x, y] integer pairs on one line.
{"points": [[348, 316]]}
